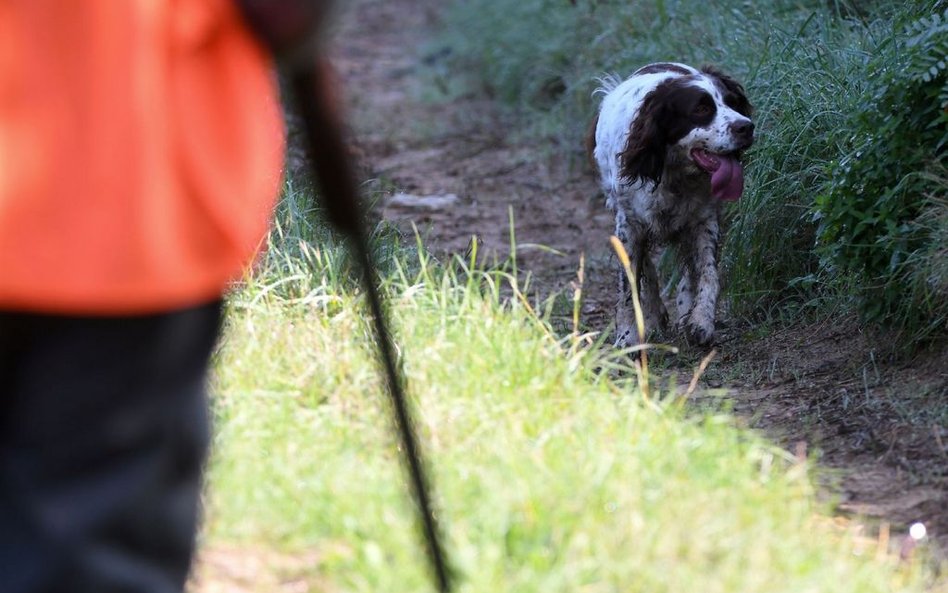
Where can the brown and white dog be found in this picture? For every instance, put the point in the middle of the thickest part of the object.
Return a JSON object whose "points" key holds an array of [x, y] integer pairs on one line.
{"points": [[667, 145]]}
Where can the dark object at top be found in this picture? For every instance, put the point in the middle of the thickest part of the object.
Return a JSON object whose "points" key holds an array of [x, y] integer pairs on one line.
{"points": [[290, 28]]}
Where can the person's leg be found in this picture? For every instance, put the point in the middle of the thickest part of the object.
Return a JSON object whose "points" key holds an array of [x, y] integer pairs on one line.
{"points": [[103, 434]]}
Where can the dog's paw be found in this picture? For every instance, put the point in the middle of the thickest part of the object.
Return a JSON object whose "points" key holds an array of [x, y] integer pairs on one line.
{"points": [[699, 333], [626, 338], [682, 322], [659, 322]]}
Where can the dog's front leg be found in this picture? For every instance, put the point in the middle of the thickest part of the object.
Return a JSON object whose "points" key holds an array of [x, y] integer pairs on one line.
{"points": [[632, 236], [699, 323], [653, 307], [634, 239], [626, 334], [685, 300]]}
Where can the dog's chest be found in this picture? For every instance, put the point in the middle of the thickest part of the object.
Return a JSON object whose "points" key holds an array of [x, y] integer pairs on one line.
{"points": [[671, 209]]}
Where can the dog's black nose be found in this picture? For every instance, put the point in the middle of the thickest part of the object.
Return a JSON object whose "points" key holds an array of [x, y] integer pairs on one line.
{"points": [[743, 132]]}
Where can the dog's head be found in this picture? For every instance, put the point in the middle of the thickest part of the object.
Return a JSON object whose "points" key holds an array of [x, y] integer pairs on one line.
{"points": [[702, 120]]}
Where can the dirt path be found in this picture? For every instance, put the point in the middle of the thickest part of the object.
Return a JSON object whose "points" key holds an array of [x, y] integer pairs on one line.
{"points": [[881, 428], [463, 172]]}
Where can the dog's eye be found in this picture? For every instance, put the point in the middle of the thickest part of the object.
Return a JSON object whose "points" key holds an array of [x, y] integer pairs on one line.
{"points": [[703, 109], [741, 107]]}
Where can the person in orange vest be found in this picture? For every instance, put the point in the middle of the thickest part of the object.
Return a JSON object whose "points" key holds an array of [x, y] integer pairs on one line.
{"points": [[141, 148]]}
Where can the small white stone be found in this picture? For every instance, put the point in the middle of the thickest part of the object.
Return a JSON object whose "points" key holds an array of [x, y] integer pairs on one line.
{"points": [[429, 202]]}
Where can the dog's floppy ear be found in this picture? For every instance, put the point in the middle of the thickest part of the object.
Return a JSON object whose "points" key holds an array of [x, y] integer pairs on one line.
{"points": [[733, 92], [643, 158]]}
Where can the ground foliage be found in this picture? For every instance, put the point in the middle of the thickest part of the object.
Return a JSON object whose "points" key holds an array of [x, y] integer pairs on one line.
{"points": [[883, 210], [552, 473]]}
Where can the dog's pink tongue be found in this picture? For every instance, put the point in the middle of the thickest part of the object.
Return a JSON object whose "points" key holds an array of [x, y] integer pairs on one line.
{"points": [[727, 182]]}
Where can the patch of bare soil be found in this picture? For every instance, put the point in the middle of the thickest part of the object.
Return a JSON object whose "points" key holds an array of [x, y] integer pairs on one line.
{"points": [[254, 570], [878, 425]]}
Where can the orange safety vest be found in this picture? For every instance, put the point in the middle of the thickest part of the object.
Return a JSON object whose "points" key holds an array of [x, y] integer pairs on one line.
{"points": [[141, 148]]}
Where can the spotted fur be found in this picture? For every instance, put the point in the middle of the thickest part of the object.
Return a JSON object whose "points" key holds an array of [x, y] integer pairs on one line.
{"points": [[645, 132]]}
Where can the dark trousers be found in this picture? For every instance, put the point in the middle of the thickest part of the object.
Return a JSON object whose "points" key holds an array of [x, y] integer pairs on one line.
{"points": [[103, 436]]}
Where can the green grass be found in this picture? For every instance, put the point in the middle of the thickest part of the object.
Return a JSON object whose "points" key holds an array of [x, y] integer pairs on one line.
{"points": [[550, 476]]}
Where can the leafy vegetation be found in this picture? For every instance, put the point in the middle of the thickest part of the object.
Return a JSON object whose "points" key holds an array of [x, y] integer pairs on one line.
{"points": [[823, 77], [882, 212], [551, 474]]}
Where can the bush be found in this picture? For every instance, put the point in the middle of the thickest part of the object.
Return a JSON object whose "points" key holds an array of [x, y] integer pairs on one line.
{"points": [[882, 213]]}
